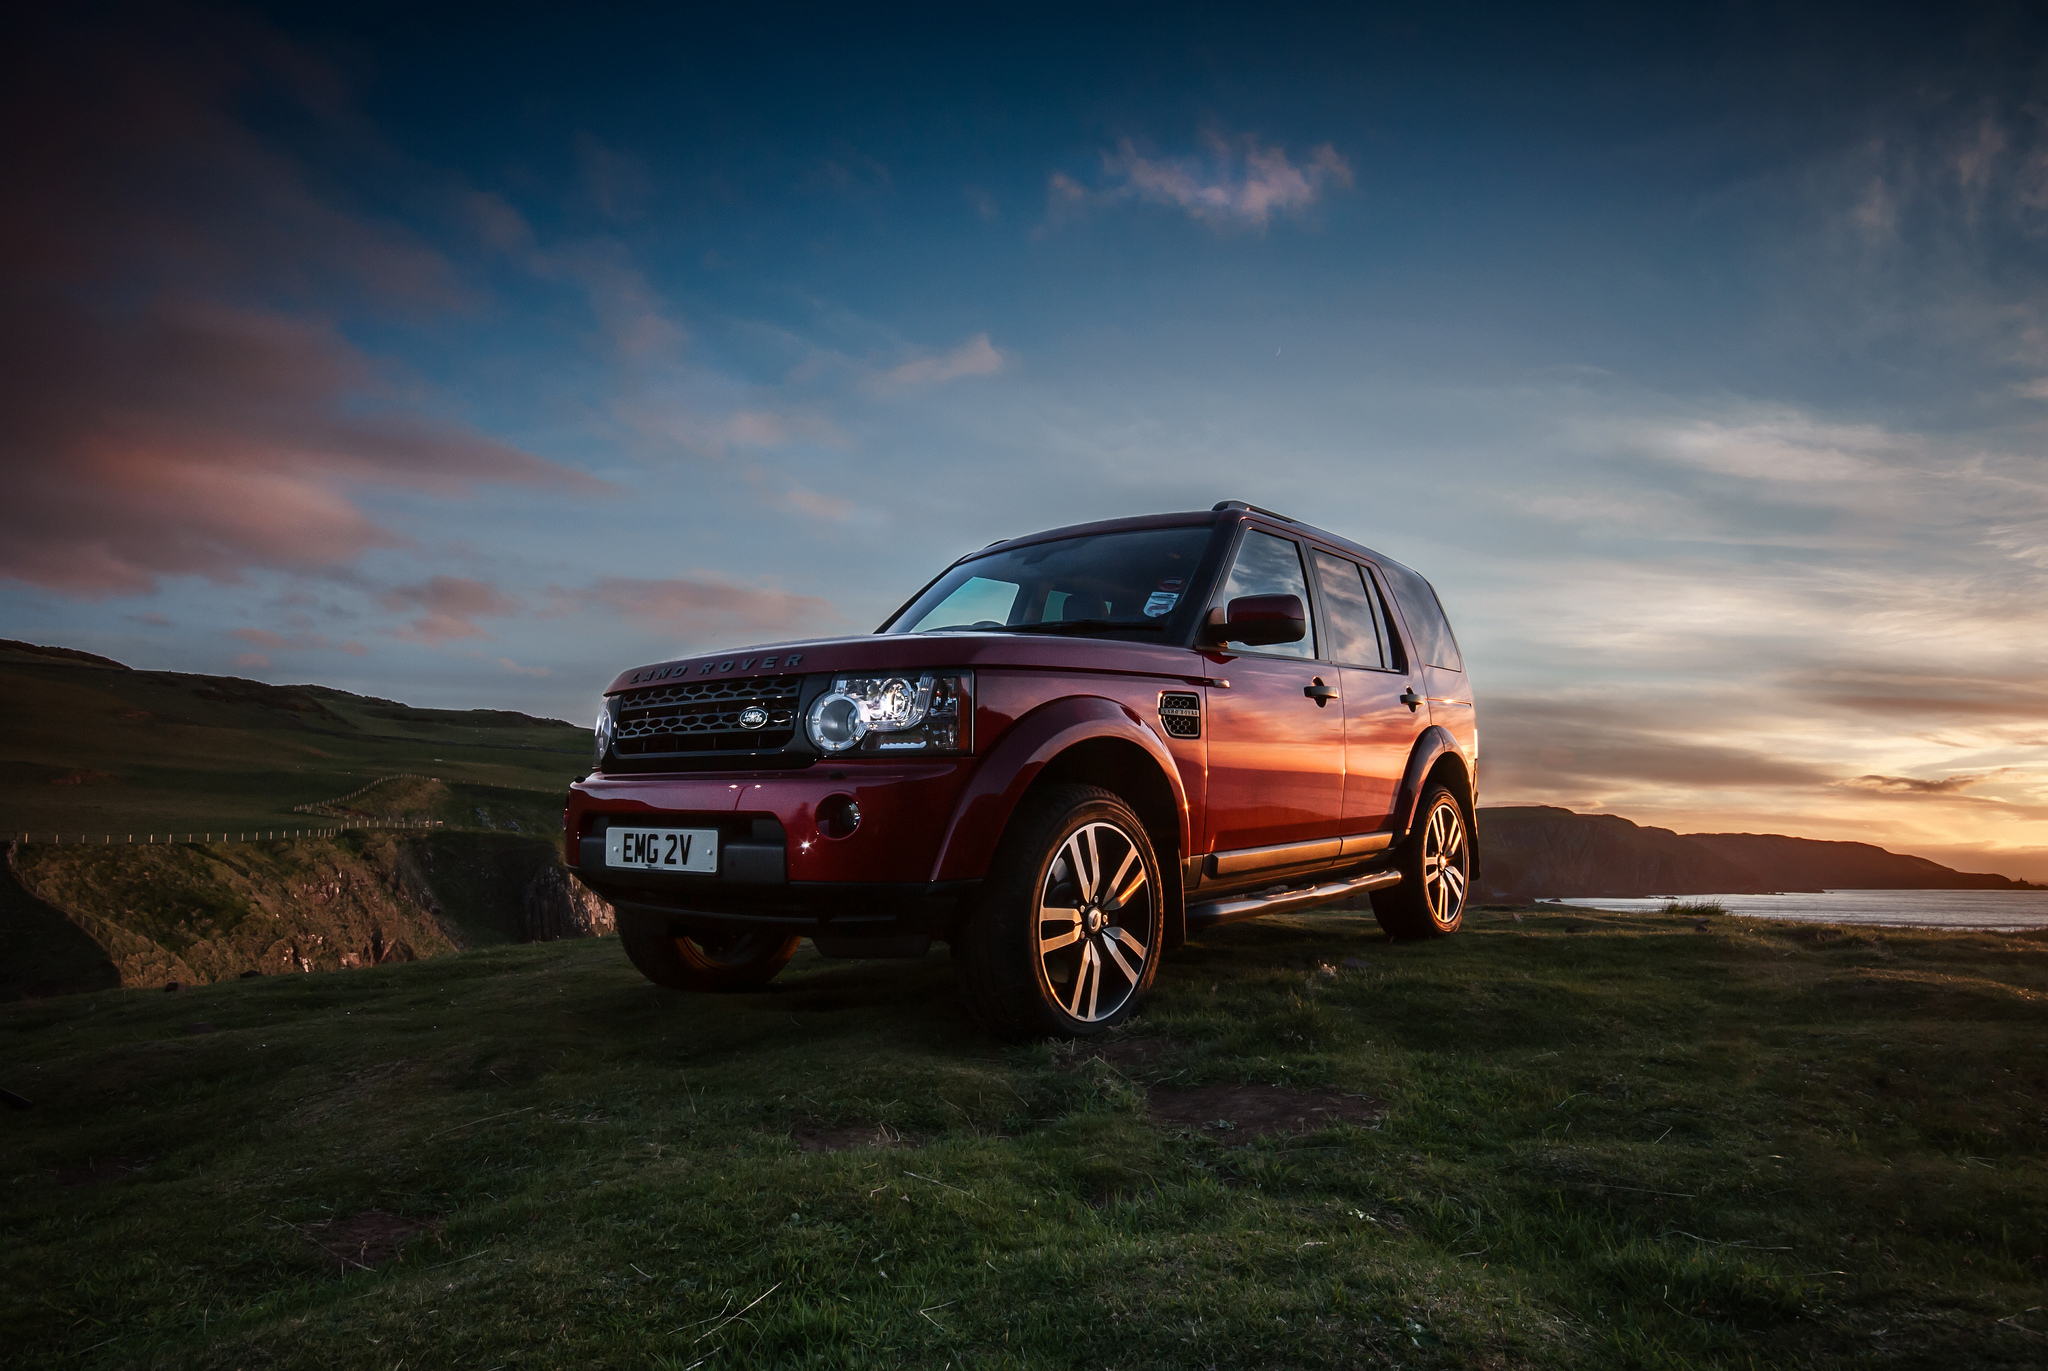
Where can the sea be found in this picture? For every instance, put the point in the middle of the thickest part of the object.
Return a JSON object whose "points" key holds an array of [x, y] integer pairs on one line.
{"points": [[1960, 909]]}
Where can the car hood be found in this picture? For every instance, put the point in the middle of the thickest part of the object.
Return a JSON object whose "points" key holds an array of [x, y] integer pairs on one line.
{"points": [[903, 651]]}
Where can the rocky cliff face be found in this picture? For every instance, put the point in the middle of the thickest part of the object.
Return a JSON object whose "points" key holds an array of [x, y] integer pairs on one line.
{"points": [[1539, 851], [81, 917], [557, 905]]}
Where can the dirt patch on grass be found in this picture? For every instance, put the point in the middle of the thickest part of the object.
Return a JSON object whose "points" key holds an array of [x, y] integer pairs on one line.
{"points": [[98, 1170], [1235, 1113], [851, 1137], [365, 1240]]}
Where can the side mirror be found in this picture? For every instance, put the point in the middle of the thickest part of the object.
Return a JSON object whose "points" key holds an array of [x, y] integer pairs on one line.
{"points": [[1260, 620]]}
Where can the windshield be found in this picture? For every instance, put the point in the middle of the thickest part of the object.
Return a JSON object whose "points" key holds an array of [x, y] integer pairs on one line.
{"points": [[1118, 584]]}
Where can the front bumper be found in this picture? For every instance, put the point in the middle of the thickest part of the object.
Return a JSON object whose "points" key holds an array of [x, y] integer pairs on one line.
{"points": [[777, 870]]}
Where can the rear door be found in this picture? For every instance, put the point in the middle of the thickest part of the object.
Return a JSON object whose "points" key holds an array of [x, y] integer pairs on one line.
{"points": [[1380, 727], [1438, 665], [1276, 752]]}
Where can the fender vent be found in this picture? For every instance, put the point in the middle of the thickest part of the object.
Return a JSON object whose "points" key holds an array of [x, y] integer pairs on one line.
{"points": [[1181, 712]]}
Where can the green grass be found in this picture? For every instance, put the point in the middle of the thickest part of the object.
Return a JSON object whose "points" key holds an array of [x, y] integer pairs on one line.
{"points": [[1630, 1145], [91, 750]]}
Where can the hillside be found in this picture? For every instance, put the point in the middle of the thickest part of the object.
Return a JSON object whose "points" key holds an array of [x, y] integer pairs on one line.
{"points": [[92, 749], [1783, 863], [1541, 851], [88, 746]]}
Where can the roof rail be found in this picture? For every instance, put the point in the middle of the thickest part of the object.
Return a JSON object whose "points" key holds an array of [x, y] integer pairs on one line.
{"points": [[1255, 509]]}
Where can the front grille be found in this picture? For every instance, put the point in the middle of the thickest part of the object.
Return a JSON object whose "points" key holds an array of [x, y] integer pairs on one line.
{"points": [[705, 716], [1181, 713]]}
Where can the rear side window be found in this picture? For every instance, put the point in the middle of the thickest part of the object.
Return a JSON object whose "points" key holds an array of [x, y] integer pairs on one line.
{"points": [[1348, 607], [1434, 645], [1267, 565]]}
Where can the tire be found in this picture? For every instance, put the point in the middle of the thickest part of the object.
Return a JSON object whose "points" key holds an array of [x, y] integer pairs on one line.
{"points": [[700, 961], [1436, 872], [1066, 938]]}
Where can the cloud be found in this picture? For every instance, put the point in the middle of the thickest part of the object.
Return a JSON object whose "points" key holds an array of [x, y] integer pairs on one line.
{"points": [[451, 606], [693, 607], [196, 439], [302, 641], [975, 357], [1237, 182], [506, 664], [1913, 785], [251, 659], [817, 506], [181, 397], [151, 619], [619, 183]]}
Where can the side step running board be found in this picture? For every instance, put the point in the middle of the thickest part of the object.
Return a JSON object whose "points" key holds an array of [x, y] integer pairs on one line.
{"points": [[1202, 916]]}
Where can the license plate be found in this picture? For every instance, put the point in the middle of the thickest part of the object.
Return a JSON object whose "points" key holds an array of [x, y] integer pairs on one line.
{"points": [[662, 849]]}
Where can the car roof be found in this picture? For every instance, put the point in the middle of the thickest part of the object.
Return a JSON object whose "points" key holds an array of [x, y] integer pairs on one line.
{"points": [[1224, 511]]}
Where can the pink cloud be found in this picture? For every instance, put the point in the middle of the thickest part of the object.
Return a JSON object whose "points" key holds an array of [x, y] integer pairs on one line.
{"points": [[199, 440], [1239, 181], [251, 659], [154, 429], [693, 607], [299, 642], [451, 605], [975, 357]]}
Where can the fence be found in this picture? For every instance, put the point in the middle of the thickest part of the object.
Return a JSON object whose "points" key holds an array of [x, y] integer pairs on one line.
{"points": [[266, 835], [316, 806]]}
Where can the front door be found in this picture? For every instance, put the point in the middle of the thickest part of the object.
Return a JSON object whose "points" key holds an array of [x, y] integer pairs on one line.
{"points": [[1276, 753]]}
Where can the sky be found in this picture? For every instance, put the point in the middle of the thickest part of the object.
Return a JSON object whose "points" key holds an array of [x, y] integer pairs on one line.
{"points": [[465, 357]]}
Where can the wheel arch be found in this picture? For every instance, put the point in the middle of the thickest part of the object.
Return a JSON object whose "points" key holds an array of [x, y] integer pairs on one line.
{"points": [[1436, 756], [1088, 740]]}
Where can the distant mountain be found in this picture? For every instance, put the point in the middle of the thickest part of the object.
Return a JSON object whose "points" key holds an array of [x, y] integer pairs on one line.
{"points": [[1532, 851], [1808, 864], [1527, 851]]}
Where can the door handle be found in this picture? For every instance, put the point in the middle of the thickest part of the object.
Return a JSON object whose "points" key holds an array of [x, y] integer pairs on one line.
{"points": [[1320, 693], [1412, 700]]}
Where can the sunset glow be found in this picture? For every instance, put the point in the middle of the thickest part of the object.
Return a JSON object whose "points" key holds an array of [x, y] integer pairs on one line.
{"points": [[1707, 378]]}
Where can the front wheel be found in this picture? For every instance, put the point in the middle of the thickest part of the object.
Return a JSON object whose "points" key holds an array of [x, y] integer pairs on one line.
{"points": [[703, 961], [1436, 867], [1065, 941]]}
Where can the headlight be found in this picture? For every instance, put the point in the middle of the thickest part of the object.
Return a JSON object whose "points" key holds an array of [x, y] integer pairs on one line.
{"points": [[607, 719], [923, 714]]}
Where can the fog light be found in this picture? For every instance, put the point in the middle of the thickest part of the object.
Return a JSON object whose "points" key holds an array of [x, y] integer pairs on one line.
{"points": [[838, 815]]}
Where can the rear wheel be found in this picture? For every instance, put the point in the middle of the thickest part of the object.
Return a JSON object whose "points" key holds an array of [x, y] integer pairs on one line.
{"points": [[1436, 868], [704, 961], [1065, 942]]}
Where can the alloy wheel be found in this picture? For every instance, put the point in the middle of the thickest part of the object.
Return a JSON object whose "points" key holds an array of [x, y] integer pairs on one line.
{"points": [[1446, 863], [1094, 909]]}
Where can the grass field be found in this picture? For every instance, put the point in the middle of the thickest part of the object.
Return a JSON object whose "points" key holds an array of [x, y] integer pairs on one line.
{"points": [[1576, 1140], [90, 750]]}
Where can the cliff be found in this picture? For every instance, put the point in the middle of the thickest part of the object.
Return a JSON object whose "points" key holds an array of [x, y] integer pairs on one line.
{"points": [[1532, 851], [1537, 851], [1784, 863]]}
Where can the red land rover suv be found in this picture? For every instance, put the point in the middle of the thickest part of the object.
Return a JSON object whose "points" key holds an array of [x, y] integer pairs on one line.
{"points": [[1063, 756]]}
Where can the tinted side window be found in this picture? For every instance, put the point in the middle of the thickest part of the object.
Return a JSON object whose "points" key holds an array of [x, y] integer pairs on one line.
{"points": [[1434, 644], [1267, 565], [1348, 608]]}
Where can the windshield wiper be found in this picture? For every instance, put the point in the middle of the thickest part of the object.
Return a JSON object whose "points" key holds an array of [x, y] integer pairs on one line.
{"points": [[1085, 625]]}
